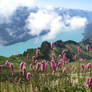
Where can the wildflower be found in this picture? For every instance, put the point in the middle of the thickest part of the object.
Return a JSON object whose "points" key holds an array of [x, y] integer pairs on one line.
{"points": [[89, 82], [7, 63], [13, 73], [82, 66], [64, 70], [79, 50], [38, 52], [67, 62], [44, 65], [81, 60], [34, 58], [28, 56], [53, 73], [34, 89], [88, 66], [53, 56], [75, 57], [88, 47], [63, 52], [38, 66], [22, 64], [5, 90], [64, 56], [1, 67], [61, 60], [20, 72], [36, 61], [75, 69], [12, 67], [59, 64], [60, 56], [53, 65], [31, 66], [52, 45], [28, 76], [24, 70]]}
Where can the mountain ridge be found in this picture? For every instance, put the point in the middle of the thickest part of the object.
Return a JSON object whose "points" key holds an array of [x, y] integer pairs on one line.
{"points": [[70, 48]]}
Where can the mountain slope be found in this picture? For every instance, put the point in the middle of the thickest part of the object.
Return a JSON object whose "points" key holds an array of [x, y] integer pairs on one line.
{"points": [[70, 48]]}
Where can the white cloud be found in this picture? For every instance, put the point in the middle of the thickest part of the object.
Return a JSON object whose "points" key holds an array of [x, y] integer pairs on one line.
{"points": [[48, 19], [56, 27], [76, 22], [7, 7], [42, 20]]}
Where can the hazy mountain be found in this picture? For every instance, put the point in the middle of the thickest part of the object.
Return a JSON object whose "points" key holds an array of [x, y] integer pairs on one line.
{"points": [[88, 32], [75, 12]]}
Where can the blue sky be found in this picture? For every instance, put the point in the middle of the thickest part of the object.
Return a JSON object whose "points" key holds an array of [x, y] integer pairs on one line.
{"points": [[75, 4]]}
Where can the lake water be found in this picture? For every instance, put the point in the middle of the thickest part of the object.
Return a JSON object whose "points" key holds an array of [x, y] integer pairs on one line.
{"points": [[36, 42]]}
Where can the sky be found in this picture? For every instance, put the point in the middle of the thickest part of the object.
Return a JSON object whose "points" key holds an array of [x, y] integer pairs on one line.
{"points": [[50, 20], [74, 4]]}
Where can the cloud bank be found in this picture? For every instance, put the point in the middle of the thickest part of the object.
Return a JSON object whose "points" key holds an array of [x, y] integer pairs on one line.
{"points": [[8, 7], [20, 21], [48, 19]]}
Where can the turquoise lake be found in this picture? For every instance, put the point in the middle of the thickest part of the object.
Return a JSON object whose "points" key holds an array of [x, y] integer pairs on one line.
{"points": [[36, 42]]}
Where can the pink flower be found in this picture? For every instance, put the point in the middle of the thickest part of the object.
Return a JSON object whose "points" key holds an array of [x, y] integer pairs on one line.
{"points": [[34, 58], [1, 67], [75, 57], [89, 82], [38, 52], [59, 64], [13, 73], [79, 50], [64, 70], [5, 90], [82, 66], [34, 89], [22, 64], [60, 56], [38, 66], [81, 60], [53, 73], [64, 56], [24, 70], [31, 66], [61, 60], [63, 52], [44, 65], [20, 72], [12, 67], [88, 66], [75, 69], [53, 65], [53, 56], [28, 76], [52, 45], [36, 61], [7, 63], [67, 62], [28, 56], [88, 47]]}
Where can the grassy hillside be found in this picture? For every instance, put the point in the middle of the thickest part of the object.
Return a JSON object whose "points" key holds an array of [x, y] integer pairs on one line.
{"points": [[70, 48]]}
